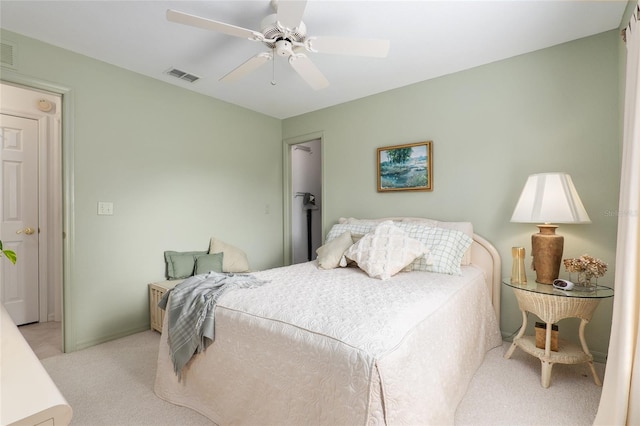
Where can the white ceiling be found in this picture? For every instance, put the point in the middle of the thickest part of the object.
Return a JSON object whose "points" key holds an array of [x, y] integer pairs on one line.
{"points": [[428, 39]]}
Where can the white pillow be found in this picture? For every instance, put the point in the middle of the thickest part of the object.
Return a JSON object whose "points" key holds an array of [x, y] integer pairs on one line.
{"points": [[234, 259], [385, 251], [331, 255]]}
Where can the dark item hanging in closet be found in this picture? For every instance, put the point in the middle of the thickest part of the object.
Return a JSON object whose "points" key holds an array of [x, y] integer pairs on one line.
{"points": [[308, 202]]}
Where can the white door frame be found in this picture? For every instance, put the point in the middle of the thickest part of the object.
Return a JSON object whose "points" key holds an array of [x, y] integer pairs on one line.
{"points": [[61, 198], [288, 191]]}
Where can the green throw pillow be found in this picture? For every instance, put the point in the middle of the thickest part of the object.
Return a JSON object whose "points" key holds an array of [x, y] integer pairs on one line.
{"points": [[181, 264], [209, 262]]}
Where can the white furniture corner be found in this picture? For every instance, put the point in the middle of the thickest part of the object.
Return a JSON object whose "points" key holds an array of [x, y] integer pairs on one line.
{"points": [[28, 396]]}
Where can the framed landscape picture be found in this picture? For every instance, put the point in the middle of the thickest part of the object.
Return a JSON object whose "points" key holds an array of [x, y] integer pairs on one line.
{"points": [[405, 167]]}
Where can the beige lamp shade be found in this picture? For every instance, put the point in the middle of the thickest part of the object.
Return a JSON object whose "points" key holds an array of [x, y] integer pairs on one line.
{"points": [[547, 198], [550, 198]]}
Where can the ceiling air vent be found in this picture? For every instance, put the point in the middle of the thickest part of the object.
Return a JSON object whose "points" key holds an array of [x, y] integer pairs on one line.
{"points": [[8, 54], [182, 75]]}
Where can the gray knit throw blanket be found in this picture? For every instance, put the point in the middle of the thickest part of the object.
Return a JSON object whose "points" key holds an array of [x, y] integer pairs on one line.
{"points": [[191, 306]]}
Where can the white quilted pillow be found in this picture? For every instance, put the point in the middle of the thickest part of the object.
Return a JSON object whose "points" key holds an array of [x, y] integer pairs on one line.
{"points": [[385, 251]]}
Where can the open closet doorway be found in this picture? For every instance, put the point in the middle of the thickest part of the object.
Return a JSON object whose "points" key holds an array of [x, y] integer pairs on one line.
{"points": [[306, 200], [31, 218]]}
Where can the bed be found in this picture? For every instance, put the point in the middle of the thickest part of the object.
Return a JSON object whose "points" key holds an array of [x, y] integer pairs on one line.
{"points": [[336, 346]]}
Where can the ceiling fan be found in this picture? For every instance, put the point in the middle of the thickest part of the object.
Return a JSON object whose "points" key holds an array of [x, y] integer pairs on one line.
{"points": [[286, 36]]}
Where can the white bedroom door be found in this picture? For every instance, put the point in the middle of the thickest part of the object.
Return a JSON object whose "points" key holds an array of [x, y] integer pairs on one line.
{"points": [[19, 226]]}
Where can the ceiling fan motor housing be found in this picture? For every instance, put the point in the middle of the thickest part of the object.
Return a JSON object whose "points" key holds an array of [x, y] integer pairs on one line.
{"points": [[270, 29]]}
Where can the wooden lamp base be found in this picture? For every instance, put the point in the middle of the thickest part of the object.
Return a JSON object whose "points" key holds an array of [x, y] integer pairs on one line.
{"points": [[546, 249]]}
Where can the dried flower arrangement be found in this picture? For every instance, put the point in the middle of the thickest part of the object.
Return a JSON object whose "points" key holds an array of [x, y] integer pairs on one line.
{"points": [[587, 265]]}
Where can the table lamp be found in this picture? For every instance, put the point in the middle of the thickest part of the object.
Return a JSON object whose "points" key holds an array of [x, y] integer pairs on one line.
{"points": [[547, 198]]}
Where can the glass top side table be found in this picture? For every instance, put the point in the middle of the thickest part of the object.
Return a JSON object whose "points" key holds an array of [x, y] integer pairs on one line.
{"points": [[599, 292], [551, 305]]}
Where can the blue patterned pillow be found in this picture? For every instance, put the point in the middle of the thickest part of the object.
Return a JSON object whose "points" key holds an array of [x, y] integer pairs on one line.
{"points": [[446, 248]]}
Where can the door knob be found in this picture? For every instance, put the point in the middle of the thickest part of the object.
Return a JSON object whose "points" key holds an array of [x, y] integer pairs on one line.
{"points": [[27, 231]]}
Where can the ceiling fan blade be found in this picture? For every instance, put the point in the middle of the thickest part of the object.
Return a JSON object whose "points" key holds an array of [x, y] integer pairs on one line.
{"points": [[290, 12], [208, 24], [308, 71], [249, 66], [349, 46]]}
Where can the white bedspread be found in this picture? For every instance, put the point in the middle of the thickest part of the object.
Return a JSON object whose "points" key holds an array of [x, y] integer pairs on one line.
{"points": [[337, 347]]}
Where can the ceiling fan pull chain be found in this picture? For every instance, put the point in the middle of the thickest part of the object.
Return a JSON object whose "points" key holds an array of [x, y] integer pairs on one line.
{"points": [[273, 68]]}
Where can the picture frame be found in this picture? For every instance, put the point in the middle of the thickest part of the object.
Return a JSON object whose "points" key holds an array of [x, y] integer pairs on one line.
{"points": [[407, 167]]}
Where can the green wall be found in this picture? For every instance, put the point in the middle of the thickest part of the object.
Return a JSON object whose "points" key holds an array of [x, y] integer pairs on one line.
{"points": [[179, 168], [556, 109]]}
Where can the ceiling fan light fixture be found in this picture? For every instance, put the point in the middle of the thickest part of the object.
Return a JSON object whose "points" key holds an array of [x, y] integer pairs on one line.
{"points": [[284, 48]]}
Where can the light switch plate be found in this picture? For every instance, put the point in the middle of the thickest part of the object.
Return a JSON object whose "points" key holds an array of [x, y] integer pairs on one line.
{"points": [[105, 208]]}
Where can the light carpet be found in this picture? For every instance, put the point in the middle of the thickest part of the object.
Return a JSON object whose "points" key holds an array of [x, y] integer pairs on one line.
{"points": [[112, 384], [45, 338]]}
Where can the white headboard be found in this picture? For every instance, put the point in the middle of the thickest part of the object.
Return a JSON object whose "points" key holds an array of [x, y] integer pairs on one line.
{"points": [[485, 256]]}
